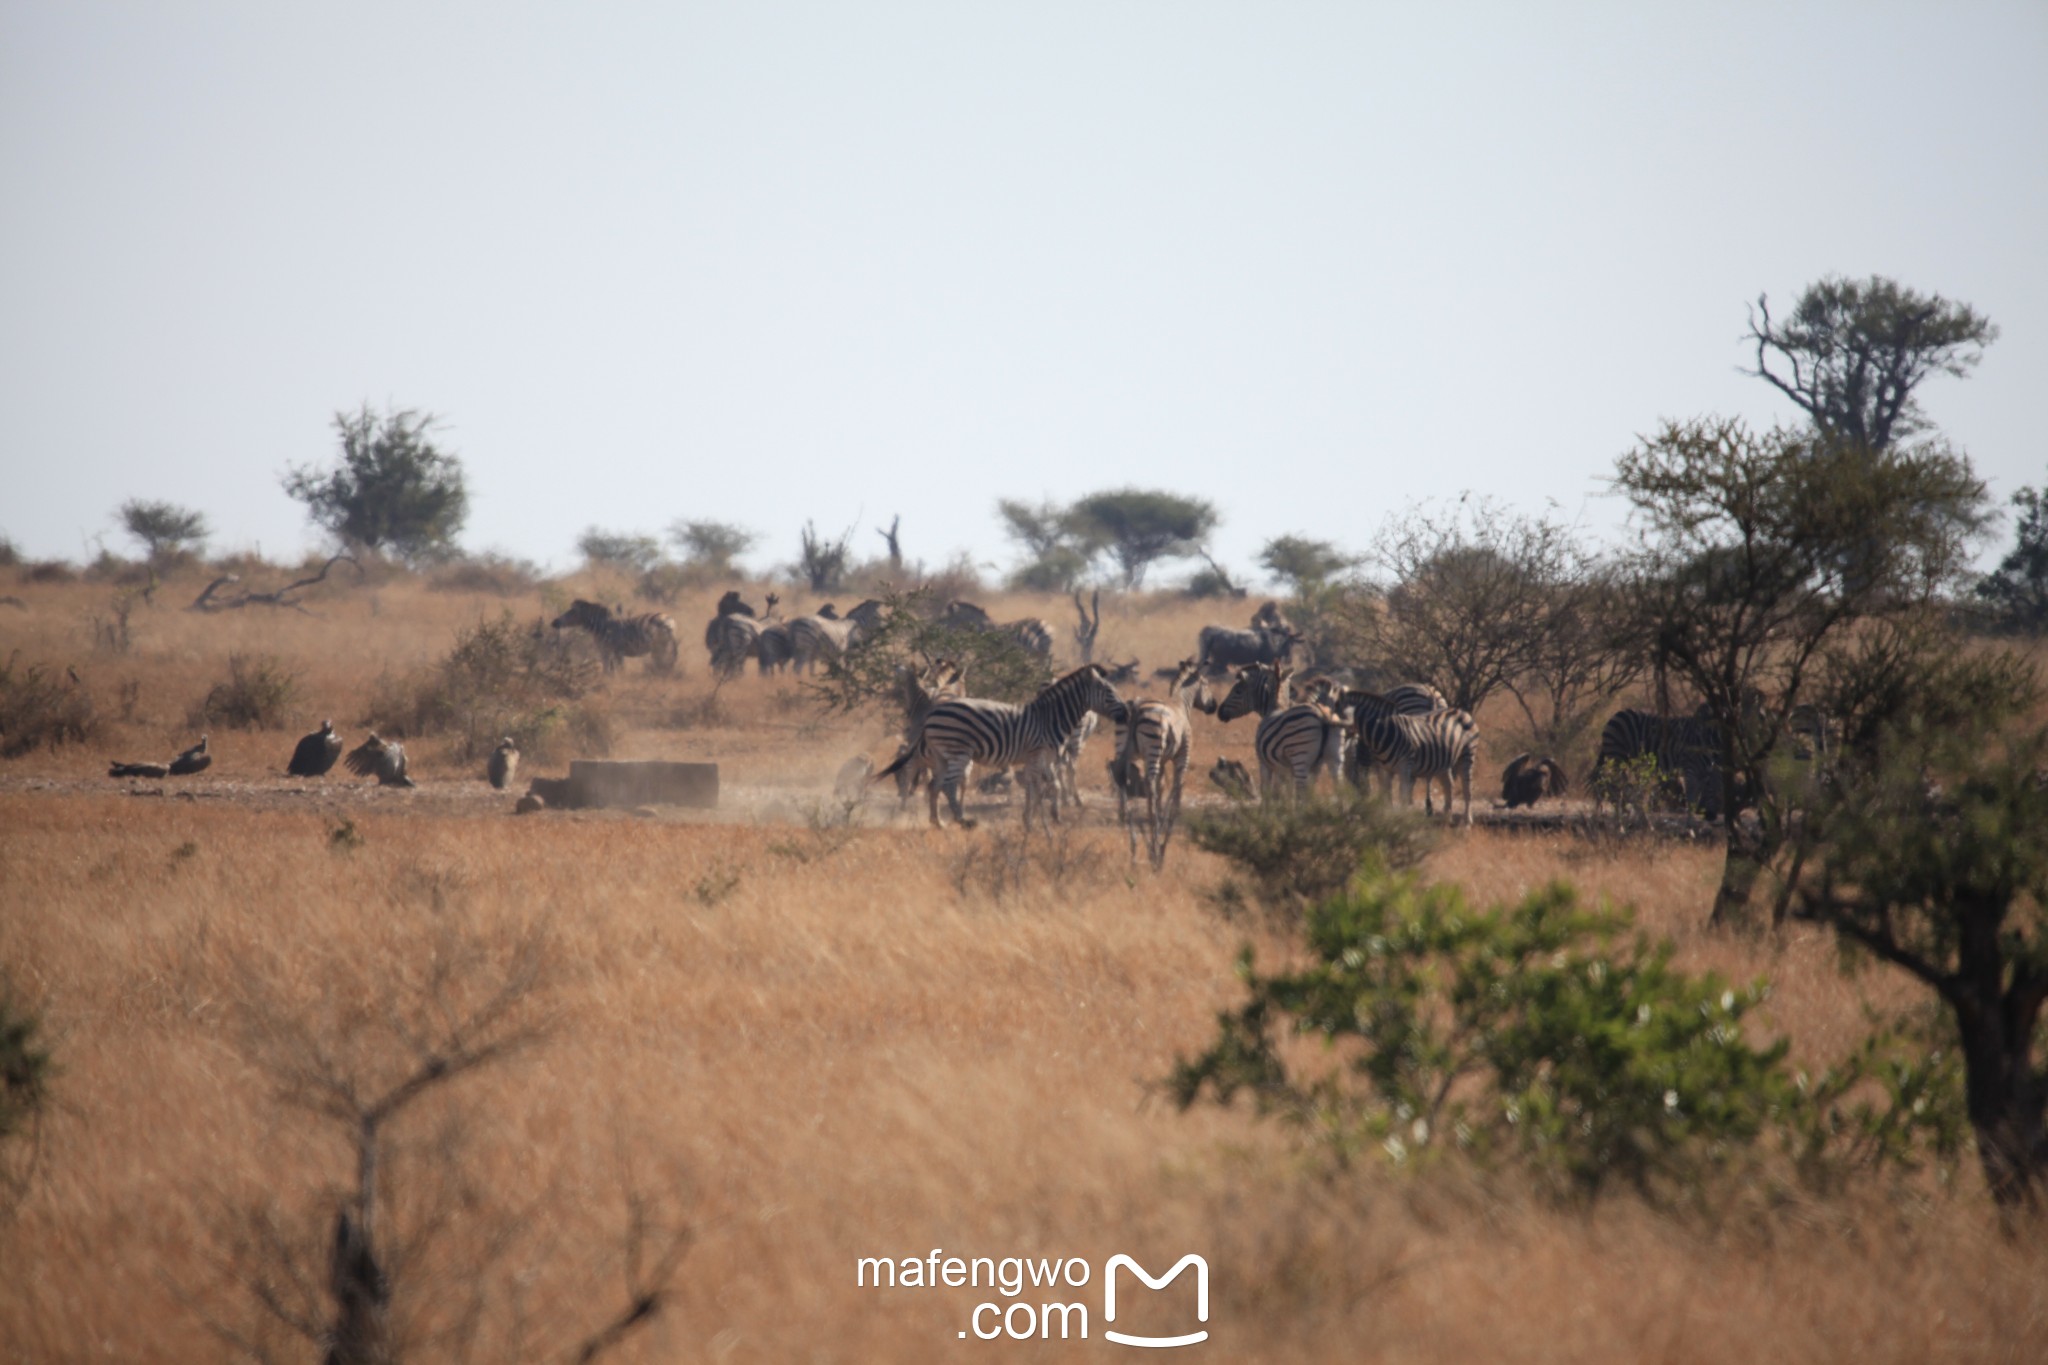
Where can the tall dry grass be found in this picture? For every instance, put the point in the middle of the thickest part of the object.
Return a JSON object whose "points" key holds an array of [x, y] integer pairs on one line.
{"points": [[816, 1044]]}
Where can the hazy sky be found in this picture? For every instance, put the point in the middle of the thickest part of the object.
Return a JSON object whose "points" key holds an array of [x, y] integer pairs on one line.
{"points": [[766, 263]]}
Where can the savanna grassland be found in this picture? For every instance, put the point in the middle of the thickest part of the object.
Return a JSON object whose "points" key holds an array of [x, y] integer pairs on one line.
{"points": [[784, 1036]]}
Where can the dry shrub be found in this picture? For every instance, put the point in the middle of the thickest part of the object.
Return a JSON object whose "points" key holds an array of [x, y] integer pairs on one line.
{"points": [[38, 707], [257, 695], [46, 571], [1004, 863], [501, 678], [498, 575]]}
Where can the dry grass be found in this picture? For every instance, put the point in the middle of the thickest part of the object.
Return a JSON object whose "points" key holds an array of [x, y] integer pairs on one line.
{"points": [[818, 1046]]}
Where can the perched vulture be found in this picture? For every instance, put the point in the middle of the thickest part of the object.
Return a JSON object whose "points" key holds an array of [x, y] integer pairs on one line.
{"points": [[381, 759], [193, 760], [316, 753], [504, 762], [1528, 780]]}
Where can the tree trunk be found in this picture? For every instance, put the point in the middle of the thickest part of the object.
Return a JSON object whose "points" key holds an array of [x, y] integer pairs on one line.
{"points": [[2006, 1103]]}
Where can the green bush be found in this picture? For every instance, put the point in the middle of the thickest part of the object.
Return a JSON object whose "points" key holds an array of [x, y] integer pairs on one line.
{"points": [[1292, 855]]}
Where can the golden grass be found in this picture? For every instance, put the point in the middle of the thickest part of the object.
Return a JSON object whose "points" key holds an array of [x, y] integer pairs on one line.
{"points": [[816, 1046]]}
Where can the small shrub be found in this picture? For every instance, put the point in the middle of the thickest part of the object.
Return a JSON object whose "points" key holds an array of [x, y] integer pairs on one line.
{"points": [[10, 553], [49, 571], [257, 695], [500, 678], [1293, 855], [26, 1071], [111, 633], [495, 574], [39, 706], [1004, 862]]}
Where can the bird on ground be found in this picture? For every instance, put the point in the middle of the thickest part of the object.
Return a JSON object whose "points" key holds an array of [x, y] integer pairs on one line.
{"points": [[381, 759], [316, 753], [194, 759], [504, 762], [1528, 780]]}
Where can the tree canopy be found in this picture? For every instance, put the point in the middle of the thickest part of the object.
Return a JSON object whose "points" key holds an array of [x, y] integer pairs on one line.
{"points": [[392, 487], [1853, 351], [2016, 592], [1137, 527], [163, 527]]}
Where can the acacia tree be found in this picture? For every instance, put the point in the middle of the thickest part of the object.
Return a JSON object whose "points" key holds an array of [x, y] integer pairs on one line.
{"points": [[392, 487], [1852, 352], [1302, 563], [1760, 553], [1952, 888], [1056, 559], [165, 528], [1137, 527]]}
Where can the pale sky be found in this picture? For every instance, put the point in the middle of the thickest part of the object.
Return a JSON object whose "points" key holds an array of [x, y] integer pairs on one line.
{"points": [[764, 263]]}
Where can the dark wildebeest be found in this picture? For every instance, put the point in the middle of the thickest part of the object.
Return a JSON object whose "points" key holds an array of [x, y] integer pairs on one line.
{"points": [[1528, 780], [1219, 647]]}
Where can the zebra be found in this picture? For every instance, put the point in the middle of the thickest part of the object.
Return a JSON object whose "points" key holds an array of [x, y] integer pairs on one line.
{"points": [[1685, 750], [920, 690], [971, 730], [775, 647], [1298, 739], [619, 637], [1032, 632], [821, 635], [1438, 746], [1151, 736], [735, 633], [1354, 704]]}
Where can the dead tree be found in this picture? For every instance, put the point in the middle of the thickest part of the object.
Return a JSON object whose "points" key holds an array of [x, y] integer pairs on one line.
{"points": [[1090, 627], [895, 547], [207, 601]]}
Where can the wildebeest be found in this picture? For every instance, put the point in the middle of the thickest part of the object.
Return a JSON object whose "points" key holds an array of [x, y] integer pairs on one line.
{"points": [[1219, 648], [1529, 779]]}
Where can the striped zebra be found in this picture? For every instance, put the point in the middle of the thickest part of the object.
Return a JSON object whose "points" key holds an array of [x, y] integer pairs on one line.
{"points": [[1354, 704], [919, 690], [1296, 740], [1685, 754], [1152, 736], [1436, 747], [620, 637], [1032, 632], [971, 730], [821, 636], [734, 634]]}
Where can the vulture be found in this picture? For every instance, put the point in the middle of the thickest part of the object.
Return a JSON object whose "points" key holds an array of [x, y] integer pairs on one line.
{"points": [[193, 760], [316, 753], [381, 759], [1528, 780], [504, 762]]}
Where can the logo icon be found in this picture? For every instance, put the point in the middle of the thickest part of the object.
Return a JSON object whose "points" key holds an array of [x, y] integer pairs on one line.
{"points": [[1201, 1298]]}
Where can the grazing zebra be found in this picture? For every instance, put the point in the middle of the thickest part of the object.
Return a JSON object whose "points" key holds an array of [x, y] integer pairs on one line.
{"points": [[1435, 747], [1151, 736], [503, 764], [619, 637], [1031, 632], [1298, 739], [971, 730], [823, 635], [381, 759], [315, 753], [1685, 751]]}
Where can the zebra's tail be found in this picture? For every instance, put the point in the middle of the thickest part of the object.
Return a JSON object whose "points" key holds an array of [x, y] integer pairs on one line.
{"points": [[909, 751]]}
